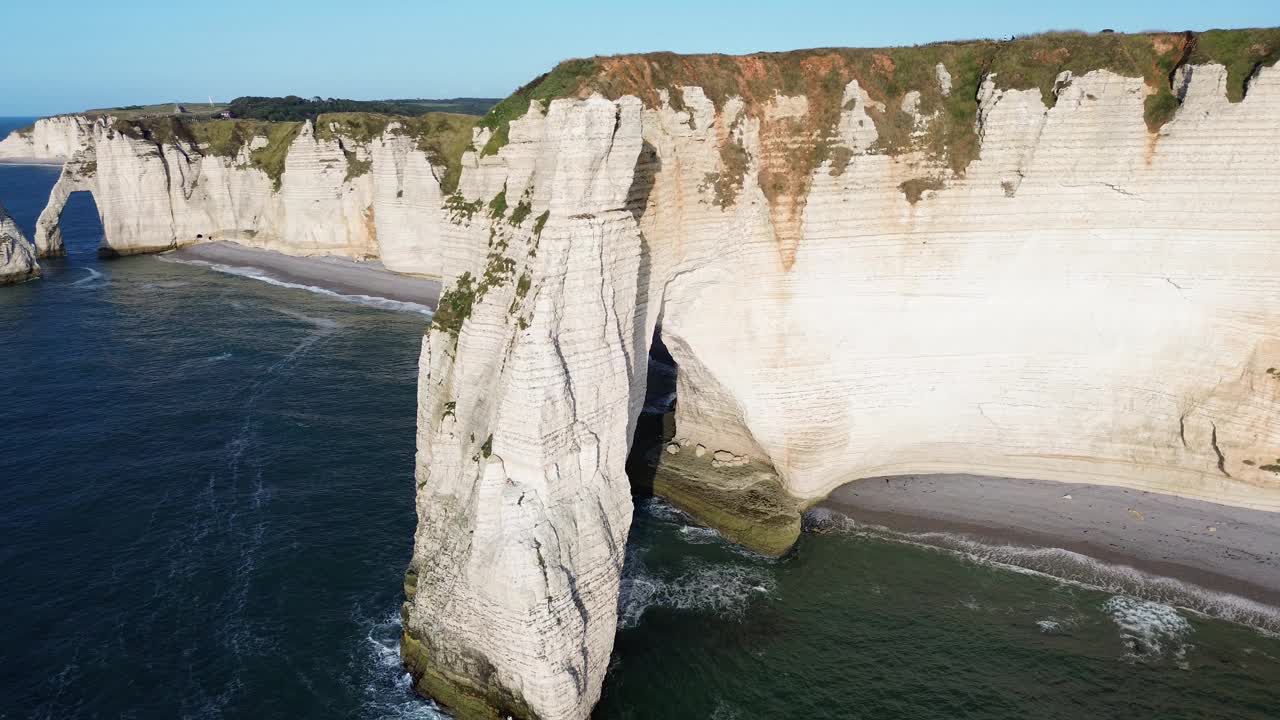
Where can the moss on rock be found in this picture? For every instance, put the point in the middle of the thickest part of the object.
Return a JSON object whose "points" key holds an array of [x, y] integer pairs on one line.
{"points": [[746, 504], [473, 696], [455, 305], [915, 188]]}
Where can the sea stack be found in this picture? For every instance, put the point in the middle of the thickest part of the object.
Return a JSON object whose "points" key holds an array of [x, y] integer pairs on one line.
{"points": [[1052, 258], [17, 255]]}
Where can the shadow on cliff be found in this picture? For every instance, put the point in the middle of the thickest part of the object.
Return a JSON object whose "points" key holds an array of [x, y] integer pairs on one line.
{"points": [[656, 421], [656, 425]]}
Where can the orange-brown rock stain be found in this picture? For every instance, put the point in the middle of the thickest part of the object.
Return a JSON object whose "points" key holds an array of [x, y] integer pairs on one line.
{"points": [[370, 250]]}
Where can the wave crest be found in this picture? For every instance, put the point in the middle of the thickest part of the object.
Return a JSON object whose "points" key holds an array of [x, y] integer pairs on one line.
{"points": [[257, 274], [1068, 566]]}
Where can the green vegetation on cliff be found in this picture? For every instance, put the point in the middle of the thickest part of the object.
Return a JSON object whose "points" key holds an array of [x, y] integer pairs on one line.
{"points": [[296, 109], [443, 137], [565, 80], [270, 158], [219, 138], [1241, 51], [887, 75], [454, 306]]}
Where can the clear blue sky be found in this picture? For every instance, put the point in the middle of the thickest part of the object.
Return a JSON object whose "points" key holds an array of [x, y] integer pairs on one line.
{"points": [[77, 54]]}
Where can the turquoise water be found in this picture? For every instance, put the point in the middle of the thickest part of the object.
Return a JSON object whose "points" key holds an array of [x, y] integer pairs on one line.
{"points": [[206, 502]]}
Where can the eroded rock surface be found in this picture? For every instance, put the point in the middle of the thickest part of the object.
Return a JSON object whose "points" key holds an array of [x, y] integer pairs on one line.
{"points": [[335, 195], [1088, 299], [17, 255], [525, 405]]}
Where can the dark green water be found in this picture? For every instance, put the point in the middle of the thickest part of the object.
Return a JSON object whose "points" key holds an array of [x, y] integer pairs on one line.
{"points": [[853, 626], [206, 507]]}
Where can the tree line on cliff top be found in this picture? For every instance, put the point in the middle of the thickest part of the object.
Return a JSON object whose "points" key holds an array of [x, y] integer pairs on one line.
{"points": [[296, 109]]}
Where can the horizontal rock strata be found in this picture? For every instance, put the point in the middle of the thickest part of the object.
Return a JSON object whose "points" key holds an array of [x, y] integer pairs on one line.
{"points": [[17, 255], [157, 188], [1077, 285]]}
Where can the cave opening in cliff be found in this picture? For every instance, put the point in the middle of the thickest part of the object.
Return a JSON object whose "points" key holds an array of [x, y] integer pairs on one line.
{"points": [[656, 425], [81, 225]]}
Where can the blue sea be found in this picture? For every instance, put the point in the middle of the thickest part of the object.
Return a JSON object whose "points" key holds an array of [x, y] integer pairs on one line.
{"points": [[206, 510]]}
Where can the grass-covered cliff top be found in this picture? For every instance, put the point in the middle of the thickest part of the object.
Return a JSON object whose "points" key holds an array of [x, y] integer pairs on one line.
{"points": [[795, 147], [889, 73], [292, 108], [442, 136], [295, 109]]}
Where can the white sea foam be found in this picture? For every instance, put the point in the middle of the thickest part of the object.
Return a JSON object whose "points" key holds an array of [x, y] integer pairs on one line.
{"points": [[93, 275], [1150, 630], [689, 529], [1055, 626], [724, 711], [697, 535], [661, 510], [387, 688], [1068, 566], [257, 274], [724, 590]]}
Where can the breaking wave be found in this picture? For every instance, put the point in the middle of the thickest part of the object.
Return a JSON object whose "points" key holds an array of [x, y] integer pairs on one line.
{"points": [[1068, 566], [85, 281], [724, 590], [387, 690], [1150, 630], [256, 274]]}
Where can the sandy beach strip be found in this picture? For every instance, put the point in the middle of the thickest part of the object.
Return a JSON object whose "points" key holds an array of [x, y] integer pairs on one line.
{"points": [[334, 274], [1215, 547]]}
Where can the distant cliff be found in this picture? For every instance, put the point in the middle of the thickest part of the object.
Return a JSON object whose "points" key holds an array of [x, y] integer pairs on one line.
{"points": [[55, 138], [356, 185], [1055, 258]]}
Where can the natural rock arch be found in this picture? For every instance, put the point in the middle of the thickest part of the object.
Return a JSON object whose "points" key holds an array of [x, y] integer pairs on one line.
{"points": [[1060, 328], [77, 176]]}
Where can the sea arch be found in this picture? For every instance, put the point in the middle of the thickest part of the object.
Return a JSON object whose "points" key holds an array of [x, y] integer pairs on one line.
{"points": [[77, 175]]}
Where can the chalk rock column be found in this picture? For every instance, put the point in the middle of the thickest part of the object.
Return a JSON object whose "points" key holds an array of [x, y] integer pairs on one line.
{"points": [[525, 420], [17, 256]]}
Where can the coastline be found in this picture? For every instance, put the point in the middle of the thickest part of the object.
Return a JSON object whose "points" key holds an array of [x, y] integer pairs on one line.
{"points": [[1210, 547], [31, 161], [364, 281]]}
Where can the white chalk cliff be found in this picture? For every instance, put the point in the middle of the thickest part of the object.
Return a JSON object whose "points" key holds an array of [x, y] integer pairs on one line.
{"points": [[17, 255], [154, 195], [1088, 294], [54, 138], [1088, 301]]}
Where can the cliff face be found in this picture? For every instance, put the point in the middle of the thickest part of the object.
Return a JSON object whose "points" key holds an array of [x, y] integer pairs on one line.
{"points": [[1067, 281], [524, 409], [55, 138], [17, 256], [294, 188]]}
